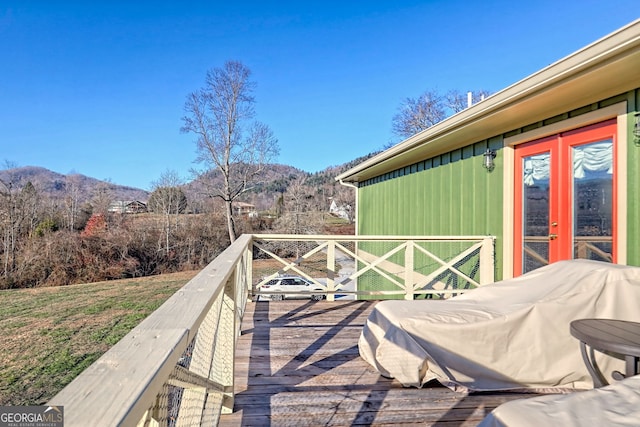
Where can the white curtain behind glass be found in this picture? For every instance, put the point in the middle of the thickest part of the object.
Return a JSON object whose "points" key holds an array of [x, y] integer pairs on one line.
{"points": [[593, 157], [590, 157], [536, 168]]}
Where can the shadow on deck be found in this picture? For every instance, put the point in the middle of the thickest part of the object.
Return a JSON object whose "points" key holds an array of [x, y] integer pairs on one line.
{"points": [[297, 364]]}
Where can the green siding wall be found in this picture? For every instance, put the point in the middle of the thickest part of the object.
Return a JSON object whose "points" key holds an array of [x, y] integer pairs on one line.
{"points": [[633, 183], [452, 195]]}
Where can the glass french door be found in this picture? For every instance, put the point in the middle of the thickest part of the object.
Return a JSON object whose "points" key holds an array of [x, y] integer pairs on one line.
{"points": [[565, 204]]}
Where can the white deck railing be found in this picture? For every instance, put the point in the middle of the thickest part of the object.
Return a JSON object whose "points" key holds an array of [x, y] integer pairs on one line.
{"points": [[176, 367]]}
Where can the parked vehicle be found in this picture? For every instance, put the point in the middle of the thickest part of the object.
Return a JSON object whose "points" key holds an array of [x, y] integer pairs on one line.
{"points": [[298, 286]]}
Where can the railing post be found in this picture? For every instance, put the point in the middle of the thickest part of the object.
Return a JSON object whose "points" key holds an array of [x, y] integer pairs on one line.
{"points": [[487, 262], [408, 270], [331, 269]]}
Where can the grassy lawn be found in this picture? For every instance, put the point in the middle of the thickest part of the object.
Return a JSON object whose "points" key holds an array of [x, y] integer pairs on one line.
{"points": [[49, 335]]}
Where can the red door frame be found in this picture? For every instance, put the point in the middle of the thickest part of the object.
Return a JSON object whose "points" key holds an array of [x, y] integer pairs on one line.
{"points": [[560, 187]]}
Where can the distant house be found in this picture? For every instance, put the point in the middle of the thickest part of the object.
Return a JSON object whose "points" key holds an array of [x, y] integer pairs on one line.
{"points": [[127, 206], [341, 211], [244, 209], [550, 166]]}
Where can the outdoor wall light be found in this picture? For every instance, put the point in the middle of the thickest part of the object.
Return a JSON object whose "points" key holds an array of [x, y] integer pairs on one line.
{"points": [[489, 155], [636, 129]]}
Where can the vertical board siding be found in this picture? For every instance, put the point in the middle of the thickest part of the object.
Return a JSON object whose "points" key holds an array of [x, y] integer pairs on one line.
{"points": [[458, 189], [416, 184], [459, 197], [468, 197]]}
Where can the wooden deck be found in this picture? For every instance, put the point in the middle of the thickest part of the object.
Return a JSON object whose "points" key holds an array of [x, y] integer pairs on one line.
{"points": [[298, 365]]}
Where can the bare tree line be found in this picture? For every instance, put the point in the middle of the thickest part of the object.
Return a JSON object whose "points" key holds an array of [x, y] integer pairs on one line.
{"points": [[55, 242], [47, 242]]}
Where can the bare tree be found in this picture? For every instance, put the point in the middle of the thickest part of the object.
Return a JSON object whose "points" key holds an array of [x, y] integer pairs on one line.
{"points": [[8, 226], [220, 115], [169, 200], [102, 198], [72, 200], [418, 114], [298, 202], [300, 215], [19, 216]]}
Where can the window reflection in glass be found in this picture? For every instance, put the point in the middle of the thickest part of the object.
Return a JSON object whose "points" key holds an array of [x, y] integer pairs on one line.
{"points": [[593, 201], [535, 210]]}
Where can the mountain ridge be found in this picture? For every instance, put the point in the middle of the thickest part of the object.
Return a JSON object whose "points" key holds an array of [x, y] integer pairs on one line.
{"points": [[276, 179], [58, 185]]}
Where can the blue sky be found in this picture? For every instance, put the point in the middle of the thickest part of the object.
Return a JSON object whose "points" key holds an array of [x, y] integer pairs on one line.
{"points": [[98, 87]]}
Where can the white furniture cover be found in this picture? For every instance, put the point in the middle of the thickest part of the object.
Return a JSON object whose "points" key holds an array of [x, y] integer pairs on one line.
{"points": [[510, 335], [615, 405]]}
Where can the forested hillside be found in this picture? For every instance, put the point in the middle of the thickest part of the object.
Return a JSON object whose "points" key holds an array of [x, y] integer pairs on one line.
{"points": [[55, 185]]}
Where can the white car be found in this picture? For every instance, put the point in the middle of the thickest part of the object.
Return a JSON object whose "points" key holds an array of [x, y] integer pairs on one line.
{"points": [[293, 284]]}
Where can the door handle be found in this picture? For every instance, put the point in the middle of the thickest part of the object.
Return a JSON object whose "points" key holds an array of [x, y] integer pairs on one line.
{"points": [[553, 236]]}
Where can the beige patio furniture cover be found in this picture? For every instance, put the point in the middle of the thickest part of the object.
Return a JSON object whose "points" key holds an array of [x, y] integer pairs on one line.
{"points": [[510, 335], [615, 405]]}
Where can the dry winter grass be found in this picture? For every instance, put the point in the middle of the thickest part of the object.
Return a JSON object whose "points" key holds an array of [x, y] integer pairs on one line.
{"points": [[49, 335]]}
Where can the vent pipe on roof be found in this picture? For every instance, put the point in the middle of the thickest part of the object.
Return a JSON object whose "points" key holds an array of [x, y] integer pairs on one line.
{"points": [[469, 99]]}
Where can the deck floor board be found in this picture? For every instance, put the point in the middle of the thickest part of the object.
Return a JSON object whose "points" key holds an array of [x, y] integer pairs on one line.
{"points": [[298, 364]]}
